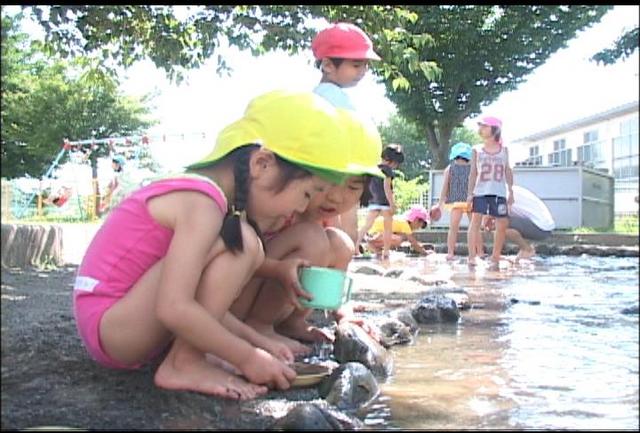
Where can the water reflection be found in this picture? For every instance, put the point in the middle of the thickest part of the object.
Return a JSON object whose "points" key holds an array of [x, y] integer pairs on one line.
{"points": [[549, 348]]}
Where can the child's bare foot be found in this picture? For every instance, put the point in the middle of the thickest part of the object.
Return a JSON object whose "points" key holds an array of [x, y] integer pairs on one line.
{"points": [[195, 373], [450, 257], [219, 362], [525, 253], [296, 347], [300, 329]]}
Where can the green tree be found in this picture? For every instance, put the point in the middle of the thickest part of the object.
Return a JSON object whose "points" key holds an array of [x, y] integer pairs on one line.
{"points": [[622, 48], [482, 52], [418, 159], [45, 101], [441, 63]]}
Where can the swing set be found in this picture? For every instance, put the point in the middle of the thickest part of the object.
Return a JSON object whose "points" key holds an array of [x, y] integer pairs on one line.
{"points": [[130, 147], [79, 152]]}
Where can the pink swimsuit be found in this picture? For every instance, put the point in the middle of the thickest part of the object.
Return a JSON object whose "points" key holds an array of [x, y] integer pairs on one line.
{"points": [[128, 243]]}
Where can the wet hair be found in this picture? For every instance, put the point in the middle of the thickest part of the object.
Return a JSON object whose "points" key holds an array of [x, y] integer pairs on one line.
{"points": [[393, 152], [335, 60], [231, 232]]}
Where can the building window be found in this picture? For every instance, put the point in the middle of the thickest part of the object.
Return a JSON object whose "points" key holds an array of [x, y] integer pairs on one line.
{"points": [[625, 150], [560, 155], [534, 156], [590, 153]]}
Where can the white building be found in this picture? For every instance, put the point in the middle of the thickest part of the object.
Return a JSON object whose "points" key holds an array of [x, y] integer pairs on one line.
{"points": [[606, 141]]}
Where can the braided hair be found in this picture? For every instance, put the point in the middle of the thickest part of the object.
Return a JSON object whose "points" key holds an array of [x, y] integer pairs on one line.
{"points": [[231, 227]]}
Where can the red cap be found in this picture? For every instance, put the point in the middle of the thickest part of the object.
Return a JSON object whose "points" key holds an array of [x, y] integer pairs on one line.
{"points": [[343, 41]]}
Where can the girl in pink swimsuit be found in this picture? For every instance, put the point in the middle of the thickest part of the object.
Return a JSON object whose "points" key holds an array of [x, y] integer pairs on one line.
{"points": [[162, 271]]}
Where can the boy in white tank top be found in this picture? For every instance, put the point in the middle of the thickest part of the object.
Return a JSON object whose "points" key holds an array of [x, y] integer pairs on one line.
{"points": [[490, 178]]}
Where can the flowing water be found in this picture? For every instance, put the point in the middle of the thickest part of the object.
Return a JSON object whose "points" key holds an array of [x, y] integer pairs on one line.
{"points": [[545, 346]]}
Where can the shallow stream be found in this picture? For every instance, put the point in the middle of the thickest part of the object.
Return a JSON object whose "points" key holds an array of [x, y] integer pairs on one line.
{"points": [[545, 346]]}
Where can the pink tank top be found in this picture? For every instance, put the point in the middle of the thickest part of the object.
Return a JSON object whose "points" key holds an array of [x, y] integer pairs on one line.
{"points": [[130, 241]]}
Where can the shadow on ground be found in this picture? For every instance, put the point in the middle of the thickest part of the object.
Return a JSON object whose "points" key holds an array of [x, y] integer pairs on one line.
{"points": [[49, 380]]}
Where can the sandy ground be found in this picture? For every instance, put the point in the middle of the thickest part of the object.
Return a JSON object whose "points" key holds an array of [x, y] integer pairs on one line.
{"points": [[49, 380]]}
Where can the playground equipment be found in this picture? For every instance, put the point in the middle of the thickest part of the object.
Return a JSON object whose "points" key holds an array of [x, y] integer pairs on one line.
{"points": [[133, 148], [80, 151]]}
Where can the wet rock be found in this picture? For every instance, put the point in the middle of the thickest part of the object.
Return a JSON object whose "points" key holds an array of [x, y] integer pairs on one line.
{"points": [[350, 386], [393, 331], [530, 302], [631, 310], [354, 344], [310, 416], [405, 316], [436, 309], [369, 269], [394, 273]]}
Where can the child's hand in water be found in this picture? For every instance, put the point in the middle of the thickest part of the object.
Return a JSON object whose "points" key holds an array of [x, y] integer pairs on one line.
{"points": [[263, 369], [287, 274]]}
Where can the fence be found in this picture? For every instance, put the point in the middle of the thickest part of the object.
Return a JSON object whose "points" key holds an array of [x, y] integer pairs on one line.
{"points": [[19, 203]]}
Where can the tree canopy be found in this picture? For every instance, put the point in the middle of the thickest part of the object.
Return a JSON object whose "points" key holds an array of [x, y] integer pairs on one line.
{"points": [[622, 48], [45, 101], [441, 63]]}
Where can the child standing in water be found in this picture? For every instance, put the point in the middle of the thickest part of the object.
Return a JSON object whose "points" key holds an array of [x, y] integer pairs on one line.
{"points": [[164, 268], [382, 200], [489, 179], [453, 195]]}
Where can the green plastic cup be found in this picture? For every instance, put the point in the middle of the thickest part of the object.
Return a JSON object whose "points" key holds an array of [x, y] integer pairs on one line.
{"points": [[329, 287]]}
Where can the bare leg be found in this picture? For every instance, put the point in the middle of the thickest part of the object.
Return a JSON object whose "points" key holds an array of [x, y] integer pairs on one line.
{"points": [[526, 249], [387, 216], [371, 216], [452, 235], [270, 306], [341, 249], [130, 329], [499, 238], [472, 235]]}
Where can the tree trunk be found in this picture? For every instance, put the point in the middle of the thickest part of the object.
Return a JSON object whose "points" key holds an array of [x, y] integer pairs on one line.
{"points": [[440, 145], [96, 187], [31, 245]]}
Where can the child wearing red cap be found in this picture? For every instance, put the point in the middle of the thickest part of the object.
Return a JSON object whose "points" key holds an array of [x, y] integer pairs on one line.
{"points": [[342, 52], [489, 179]]}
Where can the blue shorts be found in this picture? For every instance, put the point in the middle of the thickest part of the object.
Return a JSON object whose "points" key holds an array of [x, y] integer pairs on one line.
{"points": [[490, 205]]}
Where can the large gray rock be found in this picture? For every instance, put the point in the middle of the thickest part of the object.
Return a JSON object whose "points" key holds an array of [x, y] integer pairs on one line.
{"points": [[354, 344], [309, 416], [436, 309], [350, 386]]}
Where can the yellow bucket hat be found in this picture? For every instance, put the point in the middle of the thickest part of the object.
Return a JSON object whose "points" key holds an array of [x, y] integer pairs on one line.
{"points": [[365, 144], [300, 127]]}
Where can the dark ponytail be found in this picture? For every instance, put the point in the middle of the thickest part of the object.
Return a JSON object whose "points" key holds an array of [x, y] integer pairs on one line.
{"points": [[231, 228], [231, 233]]}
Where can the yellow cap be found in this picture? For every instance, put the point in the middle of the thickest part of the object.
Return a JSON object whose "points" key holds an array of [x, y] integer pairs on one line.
{"points": [[300, 127], [365, 144]]}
